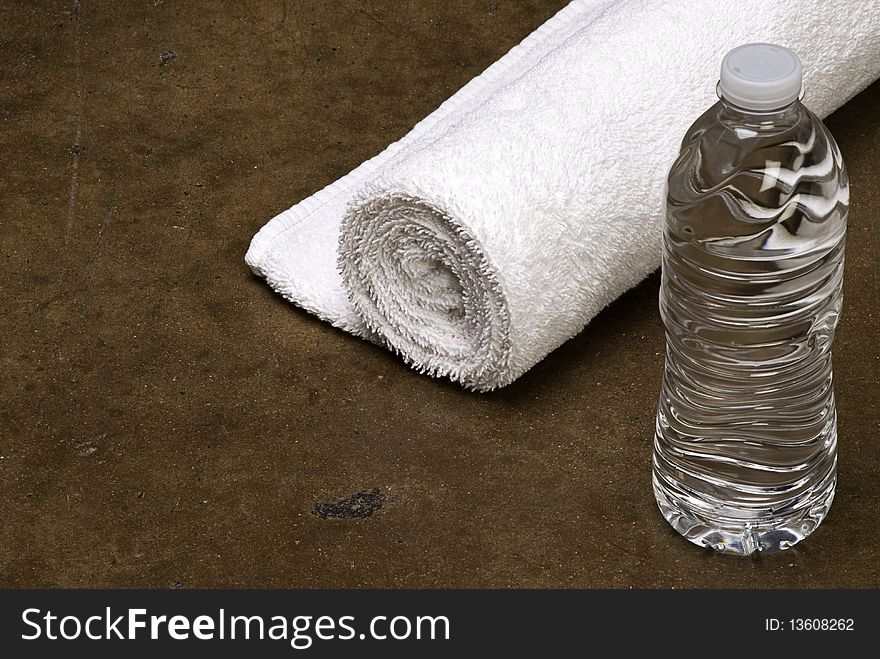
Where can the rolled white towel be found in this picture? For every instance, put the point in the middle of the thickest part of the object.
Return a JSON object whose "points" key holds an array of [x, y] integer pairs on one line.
{"points": [[533, 197]]}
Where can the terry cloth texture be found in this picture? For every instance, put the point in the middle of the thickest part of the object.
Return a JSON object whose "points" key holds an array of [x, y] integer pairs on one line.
{"points": [[533, 197]]}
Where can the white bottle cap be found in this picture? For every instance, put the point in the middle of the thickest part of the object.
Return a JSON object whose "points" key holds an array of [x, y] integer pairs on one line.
{"points": [[761, 77]]}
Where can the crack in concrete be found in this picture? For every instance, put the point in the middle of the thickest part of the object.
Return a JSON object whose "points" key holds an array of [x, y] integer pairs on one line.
{"points": [[76, 149]]}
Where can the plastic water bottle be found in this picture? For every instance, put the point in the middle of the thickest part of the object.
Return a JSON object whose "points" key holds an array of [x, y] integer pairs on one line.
{"points": [[745, 450]]}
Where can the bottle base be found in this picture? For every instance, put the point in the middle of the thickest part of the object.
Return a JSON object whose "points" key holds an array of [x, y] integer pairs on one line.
{"points": [[766, 537]]}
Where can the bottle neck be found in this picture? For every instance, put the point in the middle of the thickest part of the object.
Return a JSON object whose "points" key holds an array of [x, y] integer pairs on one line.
{"points": [[765, 120]]}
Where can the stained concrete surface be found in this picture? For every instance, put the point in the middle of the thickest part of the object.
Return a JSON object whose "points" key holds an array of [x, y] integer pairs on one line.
{"points": [[168, 421]]}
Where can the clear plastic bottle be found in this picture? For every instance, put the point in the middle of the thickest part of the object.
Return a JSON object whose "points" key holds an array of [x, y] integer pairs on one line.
{"points": [[745, 448]]}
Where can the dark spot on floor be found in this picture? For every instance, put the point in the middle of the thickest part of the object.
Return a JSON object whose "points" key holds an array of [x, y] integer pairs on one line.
{"points": [[167, 57], [360, 504]]}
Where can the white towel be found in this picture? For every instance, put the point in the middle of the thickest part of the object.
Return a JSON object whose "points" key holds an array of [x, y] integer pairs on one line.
{"points": [[533, 197]]}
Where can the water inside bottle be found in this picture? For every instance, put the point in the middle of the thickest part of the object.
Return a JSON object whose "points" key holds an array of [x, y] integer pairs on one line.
{"points": [[746, 437]]}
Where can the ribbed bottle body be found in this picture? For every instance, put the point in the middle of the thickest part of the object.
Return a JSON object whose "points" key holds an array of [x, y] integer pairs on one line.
{"points": [[746, 437]]}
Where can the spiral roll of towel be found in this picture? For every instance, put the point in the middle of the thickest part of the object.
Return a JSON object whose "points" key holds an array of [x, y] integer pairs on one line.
{"points": [[421, 281], [533, 197]]}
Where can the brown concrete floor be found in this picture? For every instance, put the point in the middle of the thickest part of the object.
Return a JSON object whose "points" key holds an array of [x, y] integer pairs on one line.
{"points": [[167, 421]]}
